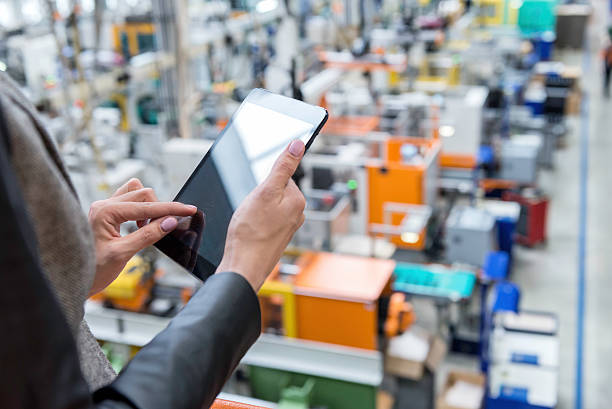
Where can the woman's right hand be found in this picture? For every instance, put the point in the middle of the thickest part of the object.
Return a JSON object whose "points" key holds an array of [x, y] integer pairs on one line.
{"points": [[265, 222]]}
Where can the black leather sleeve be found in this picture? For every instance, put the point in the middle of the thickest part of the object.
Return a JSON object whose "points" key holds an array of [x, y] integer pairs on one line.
{"points": [[187, 364]]}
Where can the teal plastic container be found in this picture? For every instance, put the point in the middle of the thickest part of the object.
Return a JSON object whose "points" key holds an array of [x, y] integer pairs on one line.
{"points": [[432, 281], [537, 16]]}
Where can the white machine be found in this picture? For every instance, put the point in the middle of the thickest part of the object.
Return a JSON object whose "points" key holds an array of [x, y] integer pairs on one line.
{"points": [[180, 158], [462, 115], [39, 59]]}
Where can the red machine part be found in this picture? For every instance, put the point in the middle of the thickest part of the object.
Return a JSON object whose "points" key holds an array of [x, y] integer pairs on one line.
{"points": [[531, 228]]}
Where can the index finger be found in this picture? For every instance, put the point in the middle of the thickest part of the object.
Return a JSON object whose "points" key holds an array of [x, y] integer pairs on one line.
{"points": [[126, 211], [286, 164], [129, 186]]}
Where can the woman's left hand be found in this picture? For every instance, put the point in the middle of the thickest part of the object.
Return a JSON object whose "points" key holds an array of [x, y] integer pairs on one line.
{"points": [[131, 202]]}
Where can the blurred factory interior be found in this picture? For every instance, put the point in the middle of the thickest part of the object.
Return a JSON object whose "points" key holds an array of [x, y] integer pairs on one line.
{"points": [[444, 260]]}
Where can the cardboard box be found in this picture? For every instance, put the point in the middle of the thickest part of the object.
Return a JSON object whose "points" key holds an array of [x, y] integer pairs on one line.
{"points": [[573, 102], [384, 400], [476, 380], [431, 350]]}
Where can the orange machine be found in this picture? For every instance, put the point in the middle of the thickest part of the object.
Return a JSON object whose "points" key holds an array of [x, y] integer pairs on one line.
{"points": [[455, 160], [400, 317], [355, 126], [372, 62], [395, 181], [337, 298], [224, 404]]}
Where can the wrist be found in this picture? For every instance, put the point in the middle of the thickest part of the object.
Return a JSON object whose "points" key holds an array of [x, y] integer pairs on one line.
{"points": [[226, 266]]}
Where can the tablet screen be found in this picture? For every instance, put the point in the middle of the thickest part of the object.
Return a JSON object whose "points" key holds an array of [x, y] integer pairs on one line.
{"points": [[241, 158]]}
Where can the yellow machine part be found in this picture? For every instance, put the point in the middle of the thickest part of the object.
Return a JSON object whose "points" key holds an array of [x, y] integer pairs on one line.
{"points": [[132, 31], [497, 12], [121, 100], [127, 283], [273, 288]]}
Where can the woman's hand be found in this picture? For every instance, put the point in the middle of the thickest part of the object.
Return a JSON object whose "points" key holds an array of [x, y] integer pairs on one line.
{"points": [[265, 222], [131, 202]]}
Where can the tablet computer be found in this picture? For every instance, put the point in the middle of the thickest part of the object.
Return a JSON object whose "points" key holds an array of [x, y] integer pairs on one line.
{"points": [[240, 159]]}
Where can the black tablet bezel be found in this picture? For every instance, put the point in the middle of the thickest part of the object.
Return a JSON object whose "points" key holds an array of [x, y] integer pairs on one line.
{"points": [[312, 114]]}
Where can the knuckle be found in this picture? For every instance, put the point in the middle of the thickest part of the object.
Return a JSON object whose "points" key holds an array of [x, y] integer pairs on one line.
{"points": [[114, 253], [149, 194], [298, 202], [301, 203], [134, 183], [96, 209], [266, 192], [148, 235], [286, 166], [298, 221]]}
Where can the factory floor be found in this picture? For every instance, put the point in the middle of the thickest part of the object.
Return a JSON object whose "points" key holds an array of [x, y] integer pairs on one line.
{"points": [[548, 275]]}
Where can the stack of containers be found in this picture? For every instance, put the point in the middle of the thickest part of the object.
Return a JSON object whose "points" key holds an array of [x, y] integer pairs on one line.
{"points": [[524, 371]]}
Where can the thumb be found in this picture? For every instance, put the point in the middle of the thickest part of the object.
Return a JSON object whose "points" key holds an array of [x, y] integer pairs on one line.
{"points": [[148, 235], [286, 164]]}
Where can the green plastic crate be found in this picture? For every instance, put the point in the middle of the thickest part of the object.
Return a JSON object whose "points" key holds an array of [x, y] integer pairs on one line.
{"points": [[268, 384]]}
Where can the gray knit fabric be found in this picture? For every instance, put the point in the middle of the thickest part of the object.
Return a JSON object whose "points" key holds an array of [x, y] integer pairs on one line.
{"points": [[65, 241]]}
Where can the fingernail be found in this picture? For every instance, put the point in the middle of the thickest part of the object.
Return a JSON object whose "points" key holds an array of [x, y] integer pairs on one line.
{"points": [[192, 208], [169, 224], [296, 148]]}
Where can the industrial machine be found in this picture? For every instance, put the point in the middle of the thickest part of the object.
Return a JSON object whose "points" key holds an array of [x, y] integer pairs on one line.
{"points": [[531, 226], [524, 355], [330, 298], [406, 176], [497, 12], [520, 158], [461, 120], [470, 235], [406, 114], [135, 36], [131, 291], [327, 217]]}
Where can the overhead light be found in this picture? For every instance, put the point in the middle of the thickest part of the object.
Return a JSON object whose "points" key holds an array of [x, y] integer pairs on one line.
{"points": [[265, 6], [410, 237], [2, 66], [447, 131]]}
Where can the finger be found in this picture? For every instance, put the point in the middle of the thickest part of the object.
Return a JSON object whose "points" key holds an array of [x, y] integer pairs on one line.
{"points": [[126, 211], [286, 165], [148, 235], [141, 195], [294, 196], [130, 185]]}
